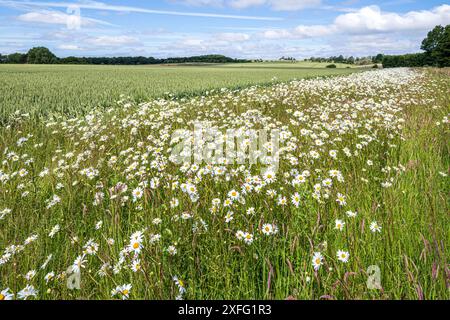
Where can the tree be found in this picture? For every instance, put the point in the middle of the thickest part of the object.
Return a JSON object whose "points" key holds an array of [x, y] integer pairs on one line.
{"points": [[441, 53], [41, 55], [378, 58], [16, 58], [430, 43], [437, 46]]}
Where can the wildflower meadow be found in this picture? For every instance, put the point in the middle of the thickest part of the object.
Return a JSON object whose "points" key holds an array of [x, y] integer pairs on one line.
{"points": [[321, 188]]}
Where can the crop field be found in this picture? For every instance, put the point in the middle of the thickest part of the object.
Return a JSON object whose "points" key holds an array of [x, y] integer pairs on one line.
{"points": [[346, 197], [74, 89]]}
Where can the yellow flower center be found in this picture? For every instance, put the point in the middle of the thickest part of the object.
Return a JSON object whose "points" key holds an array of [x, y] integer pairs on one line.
{"points": [[317, 261], [2, 297], [135, 245], [125, 292], [180, 282]]}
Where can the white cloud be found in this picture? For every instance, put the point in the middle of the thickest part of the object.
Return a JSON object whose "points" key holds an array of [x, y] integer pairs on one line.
{"points": [[241, 4], [233, 37], [112, 41], [300, 32], [57, 17], [372, 19], [369, 20], [291, 5], [69, 47]]}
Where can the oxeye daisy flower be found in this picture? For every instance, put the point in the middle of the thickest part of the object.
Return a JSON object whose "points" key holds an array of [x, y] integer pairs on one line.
{"points": [[351, 214], [172, 250], [233, 194], [123, 291], [91, 247], [339, 224], [174, 203], [49, 276], [186, 216], [295, 199], [240, 234], [314, 154], [267, 229], [229, 216], [30, 275], [248, 238], [28, 291], [282, 201], [271, 193], [98, 225], [54, 231], [137, 193], [6, 294], [78, 264], [317, 260], [4, 212], [136, 265], [191, 189], [334, 173], [138, 236], [342, 256], [135, 245], [341, 199], [375, 227], [246, 188], [180, 284], [269, 176], [327, 183], [23, 172]]}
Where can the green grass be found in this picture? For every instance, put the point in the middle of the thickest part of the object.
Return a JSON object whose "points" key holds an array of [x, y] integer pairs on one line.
{"points": [[394, 123], [43, 90]]}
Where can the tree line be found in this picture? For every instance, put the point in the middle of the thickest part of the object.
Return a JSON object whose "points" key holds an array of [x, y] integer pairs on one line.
{"points": [[348, 60], [436, 47], [42, 55]]}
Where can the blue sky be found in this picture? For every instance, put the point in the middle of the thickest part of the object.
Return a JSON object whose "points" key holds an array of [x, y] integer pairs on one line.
{"points": [[265, 29]]}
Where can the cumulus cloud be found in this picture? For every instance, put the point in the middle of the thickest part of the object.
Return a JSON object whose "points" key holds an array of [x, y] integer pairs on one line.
{"points": [[69, 47], [300, 32], [372, 19], [369, 20], [233, 37], [291, 5]]}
